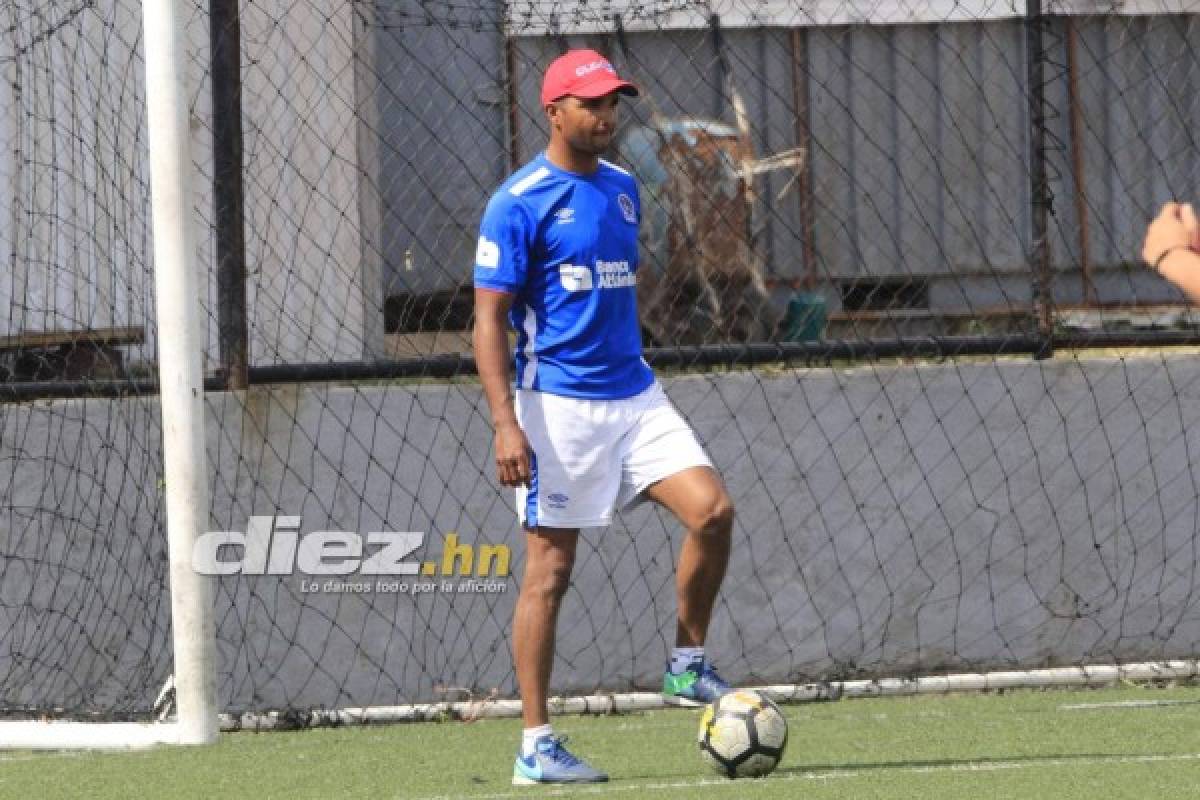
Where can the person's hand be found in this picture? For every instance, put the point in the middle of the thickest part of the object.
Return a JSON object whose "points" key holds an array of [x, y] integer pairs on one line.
{"points": [[512, 455], [1176, 226]]}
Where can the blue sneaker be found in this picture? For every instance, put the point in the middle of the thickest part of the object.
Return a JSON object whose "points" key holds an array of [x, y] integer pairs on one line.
{"points": [[697, 685], [553, 763]]}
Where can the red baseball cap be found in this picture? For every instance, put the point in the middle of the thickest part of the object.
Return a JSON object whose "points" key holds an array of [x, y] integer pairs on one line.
{"points": [[583, 73]]}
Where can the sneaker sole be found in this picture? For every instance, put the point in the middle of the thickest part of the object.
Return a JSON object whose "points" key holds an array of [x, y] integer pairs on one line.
{"points": [[683, 702], [521, 780]]}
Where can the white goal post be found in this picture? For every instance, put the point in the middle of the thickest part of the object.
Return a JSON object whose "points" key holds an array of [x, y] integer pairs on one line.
{"points": [[180, 349]]}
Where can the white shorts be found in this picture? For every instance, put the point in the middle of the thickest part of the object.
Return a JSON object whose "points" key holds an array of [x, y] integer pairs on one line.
{"points": [[592, 455]]}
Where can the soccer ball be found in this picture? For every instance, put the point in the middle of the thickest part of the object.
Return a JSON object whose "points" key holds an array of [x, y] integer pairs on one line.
{"points": [[742, 734]]}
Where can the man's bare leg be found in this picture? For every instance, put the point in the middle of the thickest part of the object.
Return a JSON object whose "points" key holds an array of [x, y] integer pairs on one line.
{"points": [[549, 557], [697, 497]]}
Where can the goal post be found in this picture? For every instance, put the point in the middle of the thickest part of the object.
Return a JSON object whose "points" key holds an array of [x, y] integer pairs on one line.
{"points": [[181, 400], [181, 382]]}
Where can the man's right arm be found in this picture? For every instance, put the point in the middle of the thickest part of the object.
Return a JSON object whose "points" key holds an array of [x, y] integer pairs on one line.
{"points": [[492, 355]]}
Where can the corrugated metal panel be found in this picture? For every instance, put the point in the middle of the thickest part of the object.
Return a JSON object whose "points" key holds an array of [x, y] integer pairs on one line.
{"points": [[918, 137], [1139, 96], [760, 65], [919, 150], [442, 110]]}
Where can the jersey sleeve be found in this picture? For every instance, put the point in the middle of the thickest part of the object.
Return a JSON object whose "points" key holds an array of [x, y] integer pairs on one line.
{"points": [[502, 253]]}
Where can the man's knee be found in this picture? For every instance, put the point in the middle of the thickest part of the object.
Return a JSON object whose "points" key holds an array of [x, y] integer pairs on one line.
{"points": [[555, 579], [716, 515], [549, 575]]}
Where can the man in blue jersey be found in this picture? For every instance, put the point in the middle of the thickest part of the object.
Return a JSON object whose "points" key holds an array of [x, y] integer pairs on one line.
{"points": [[587, 428]]}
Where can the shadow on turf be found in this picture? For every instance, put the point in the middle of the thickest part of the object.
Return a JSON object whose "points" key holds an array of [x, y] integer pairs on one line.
{"points": [[949, 762]]}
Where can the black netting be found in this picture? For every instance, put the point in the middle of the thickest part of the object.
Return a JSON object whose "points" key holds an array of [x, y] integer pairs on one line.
{"points": [[888, 272]]}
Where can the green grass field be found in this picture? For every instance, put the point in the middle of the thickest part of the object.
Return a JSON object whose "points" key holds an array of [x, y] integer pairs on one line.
{"points": [[1130, 742]]}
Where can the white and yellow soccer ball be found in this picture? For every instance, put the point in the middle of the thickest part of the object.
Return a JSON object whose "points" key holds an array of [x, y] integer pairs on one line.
{"points": [[742, 734]]}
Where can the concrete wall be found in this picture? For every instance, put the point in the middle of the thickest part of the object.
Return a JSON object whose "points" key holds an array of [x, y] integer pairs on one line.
{"points": [[890, 520], [74, 178]]}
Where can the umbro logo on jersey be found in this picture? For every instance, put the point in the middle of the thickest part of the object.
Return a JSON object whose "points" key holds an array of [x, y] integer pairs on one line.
{"points": [[487, 253], [565, 216]]}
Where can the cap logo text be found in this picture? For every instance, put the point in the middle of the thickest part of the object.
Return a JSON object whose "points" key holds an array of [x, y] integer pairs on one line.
{"points": [[587, 69]]}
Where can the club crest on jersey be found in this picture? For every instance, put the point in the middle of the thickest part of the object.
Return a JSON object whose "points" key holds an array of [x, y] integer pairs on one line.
{"points": [[627, 209]]}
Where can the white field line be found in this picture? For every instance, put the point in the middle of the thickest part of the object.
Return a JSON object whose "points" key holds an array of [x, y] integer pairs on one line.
{"points": [[41, 755], [1127, 704], [746, 786]]}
